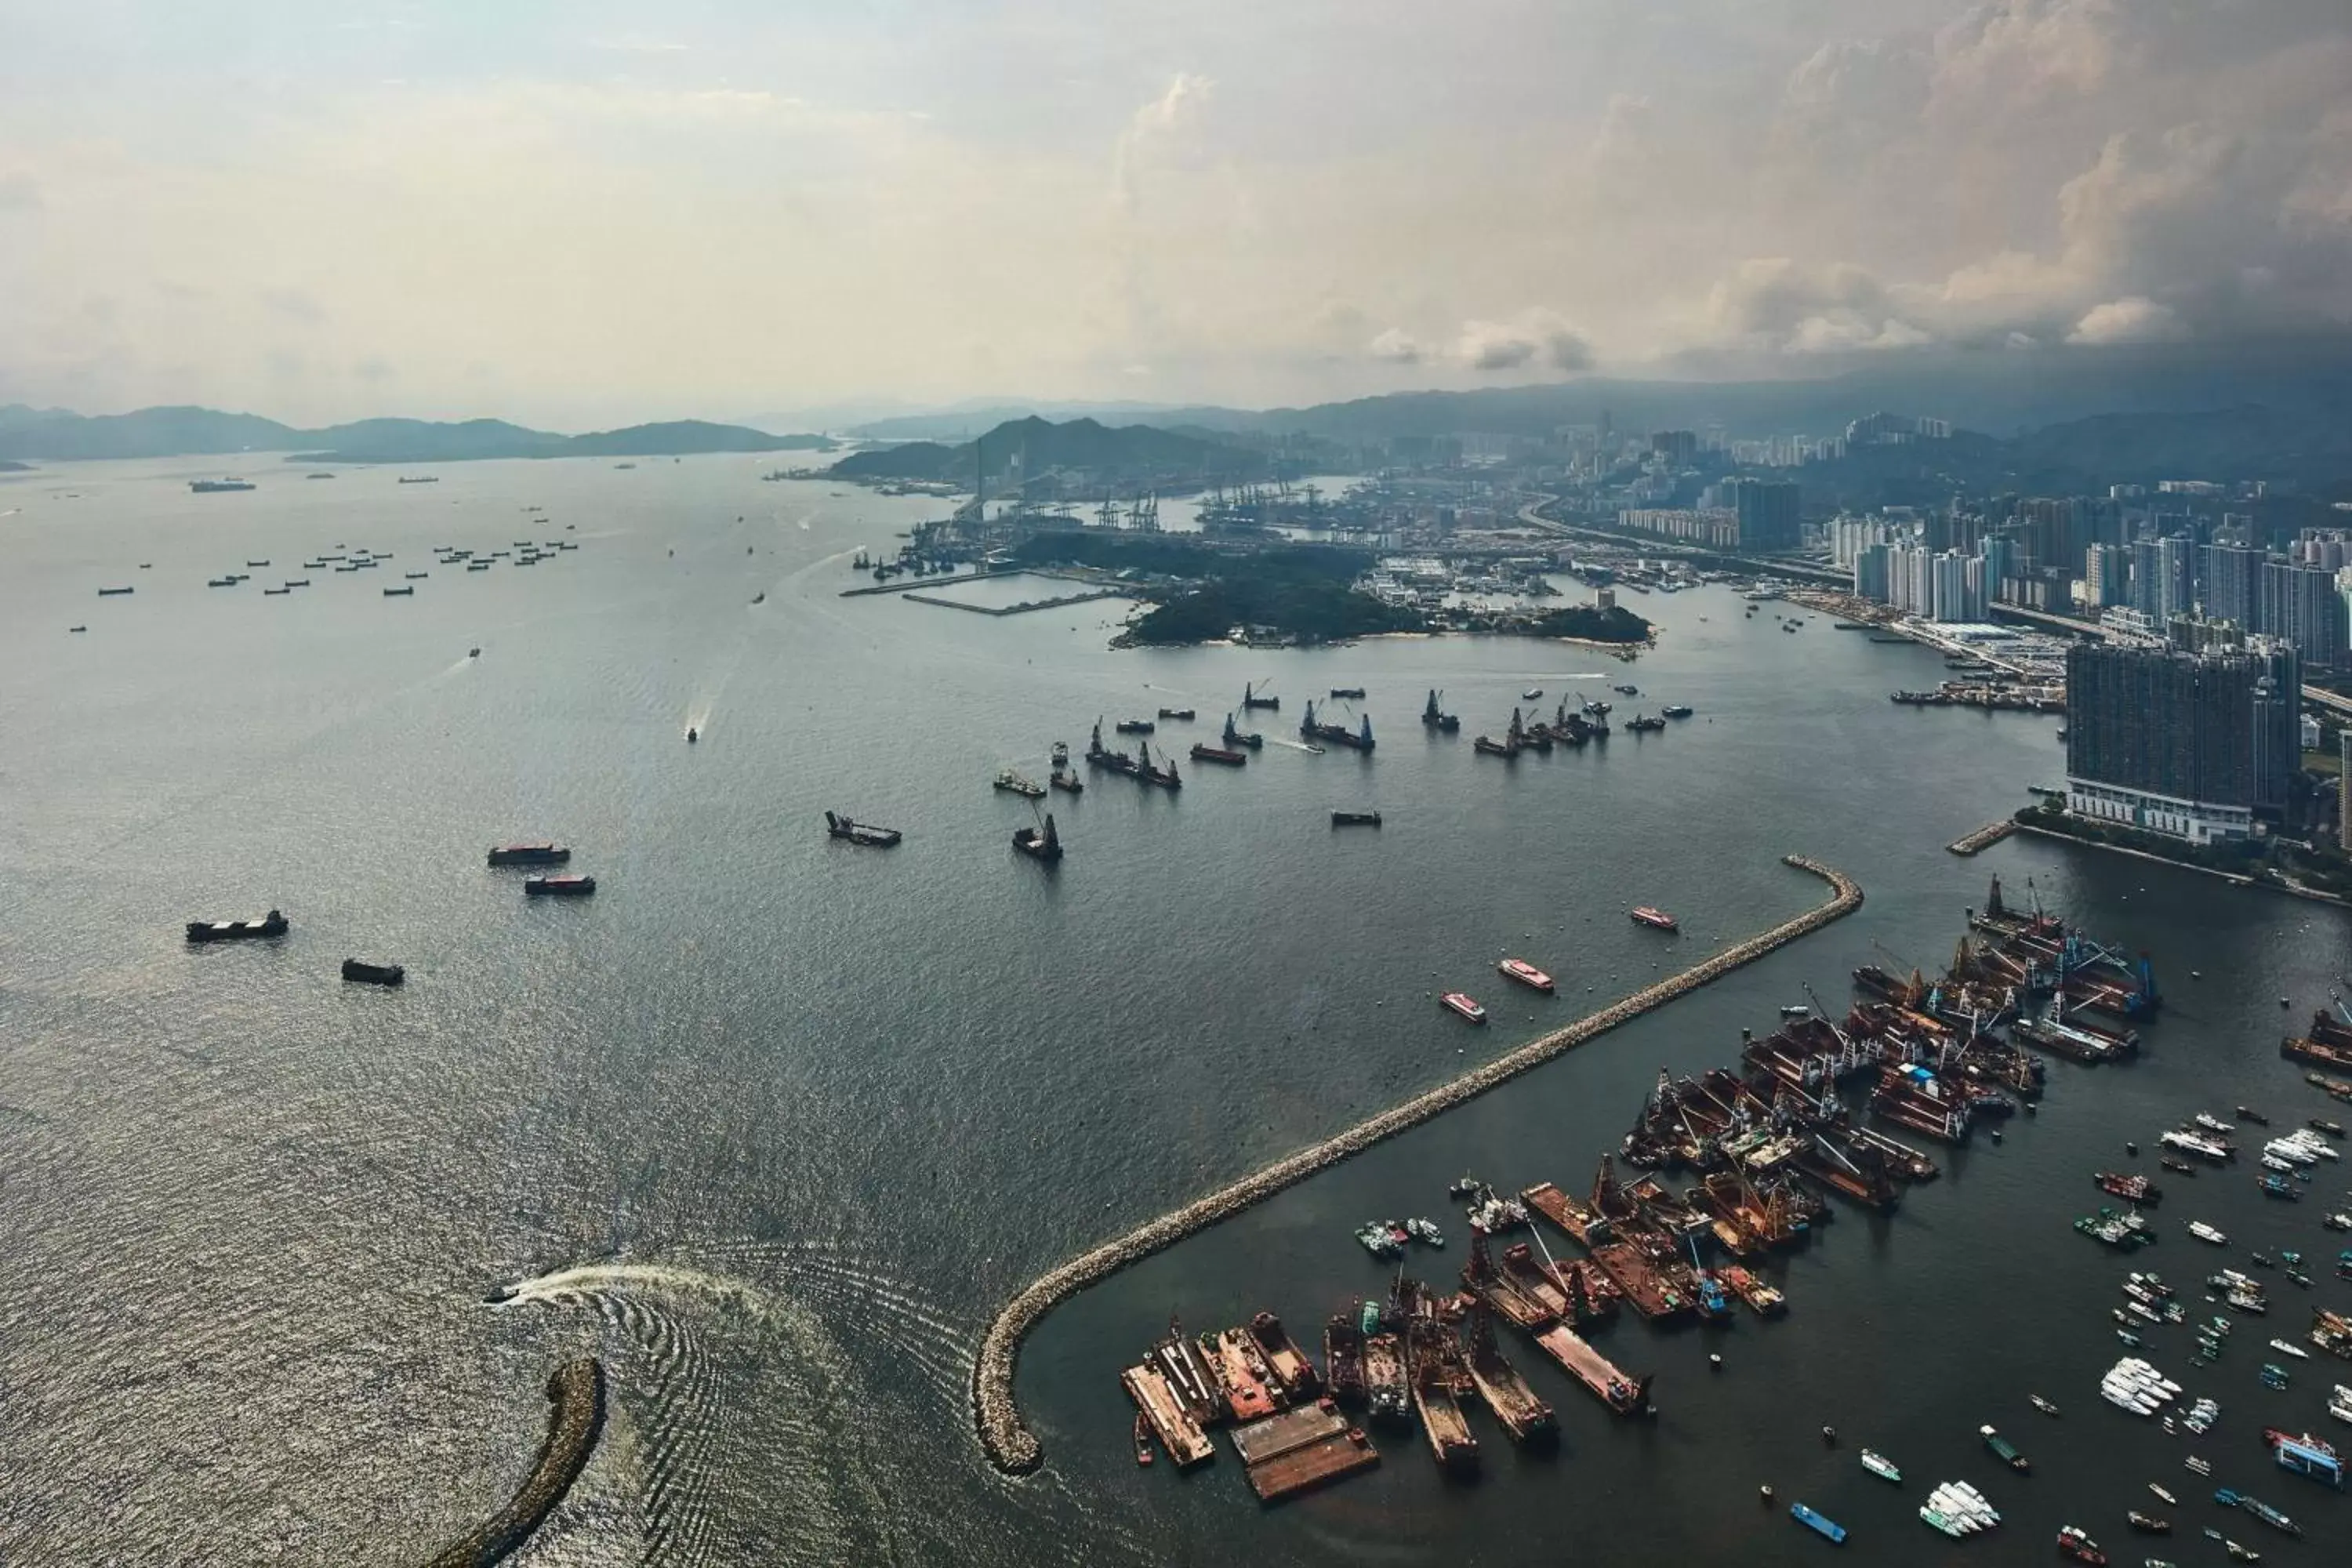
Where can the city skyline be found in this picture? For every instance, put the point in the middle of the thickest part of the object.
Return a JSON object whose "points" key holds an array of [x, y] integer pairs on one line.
{"points": [[586, 216]]}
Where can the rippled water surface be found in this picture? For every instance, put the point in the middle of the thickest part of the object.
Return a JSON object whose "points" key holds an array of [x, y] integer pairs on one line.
{"points": [[772, 1124]]}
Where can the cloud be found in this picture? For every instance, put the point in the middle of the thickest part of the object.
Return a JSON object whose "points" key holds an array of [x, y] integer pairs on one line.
{"points": [[1153, 129], [293, 305], [19, 193], [1533, 337], [1397, 346], [2135, 319]]}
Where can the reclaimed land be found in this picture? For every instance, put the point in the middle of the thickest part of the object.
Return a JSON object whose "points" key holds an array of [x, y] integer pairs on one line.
{"points": [[577, 1391], [1013, 1447]]}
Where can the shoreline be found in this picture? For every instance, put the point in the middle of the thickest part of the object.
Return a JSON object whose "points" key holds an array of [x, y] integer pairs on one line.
{"points": [[2292, 890], [1009, 1443]]}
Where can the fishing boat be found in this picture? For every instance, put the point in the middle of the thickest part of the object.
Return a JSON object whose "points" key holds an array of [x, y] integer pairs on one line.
{"points": [[1459, 1003], [1879, 1464]]}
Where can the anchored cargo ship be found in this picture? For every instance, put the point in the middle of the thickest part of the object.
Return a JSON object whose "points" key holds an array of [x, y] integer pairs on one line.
{"points": [[1219, 755], [213, 487], [837, 824], [559, 887], [530, 854], [272, 924], [1355, 819]]}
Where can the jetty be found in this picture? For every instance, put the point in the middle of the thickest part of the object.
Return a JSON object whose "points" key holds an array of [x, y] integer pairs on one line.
{"points": [[1984, 838], [1022, 608], [1006, 1438], [577, 1391]]}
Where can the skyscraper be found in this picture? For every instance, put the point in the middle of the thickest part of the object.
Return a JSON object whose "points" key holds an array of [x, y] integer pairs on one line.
{"points": [[2300, 604], [1768, 513], [2159, 588], [2225, 585], [2185, 744], [2107, 576]]}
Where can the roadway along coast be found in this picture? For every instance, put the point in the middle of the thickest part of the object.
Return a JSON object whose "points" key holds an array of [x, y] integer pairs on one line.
{"points": [[1013, 1447]]}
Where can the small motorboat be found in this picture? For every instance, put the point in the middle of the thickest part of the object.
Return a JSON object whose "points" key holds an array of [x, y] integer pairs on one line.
{"points": [[1143, 1439], [1531, 693], [473, 653], [692, 734], [2042, 1404]]}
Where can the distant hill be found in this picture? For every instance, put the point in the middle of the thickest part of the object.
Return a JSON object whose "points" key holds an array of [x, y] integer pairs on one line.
{"points": [[57, 435], [1038, 446], [8, 466]]}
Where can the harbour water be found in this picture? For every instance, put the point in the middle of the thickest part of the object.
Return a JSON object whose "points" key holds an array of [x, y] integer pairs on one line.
{"points": [[773, 1123]]}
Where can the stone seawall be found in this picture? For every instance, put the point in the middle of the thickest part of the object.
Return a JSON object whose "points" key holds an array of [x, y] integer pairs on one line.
{"points": [[577, 1391], [1010, 1443]]}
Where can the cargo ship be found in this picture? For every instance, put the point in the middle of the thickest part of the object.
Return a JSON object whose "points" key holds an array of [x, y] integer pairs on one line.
{"points": [[2003, 1449], [569, 887], [1183, 713], [1355, 819], [1525, 974], [530, 854], [1251, 698], [1202, 752], [114, 593], [399, 592], [1347, 693], [1360, 738], [373, 973], [837, 824], [215, 486], [272, 924], [1434, 717], [1385, 1389], [1343, 1358], [1234, 740], [1457, 1001], [1135, 727], [2137, 1188], [1039, 842], [1657, 920]]}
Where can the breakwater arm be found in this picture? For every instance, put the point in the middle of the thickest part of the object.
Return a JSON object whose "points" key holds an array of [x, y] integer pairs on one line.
{"points": [[577, 1392], [1013, 1447]]}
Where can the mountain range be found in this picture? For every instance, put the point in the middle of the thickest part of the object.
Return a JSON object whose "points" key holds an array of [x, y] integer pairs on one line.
{"points": [[56, 435], [1041, 445]]}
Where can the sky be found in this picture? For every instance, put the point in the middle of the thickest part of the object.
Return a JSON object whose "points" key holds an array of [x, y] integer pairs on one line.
{"points": [[584, 213]]}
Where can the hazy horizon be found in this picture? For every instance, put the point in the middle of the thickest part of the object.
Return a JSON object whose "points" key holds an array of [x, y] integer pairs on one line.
{"points": [[583, 217]]}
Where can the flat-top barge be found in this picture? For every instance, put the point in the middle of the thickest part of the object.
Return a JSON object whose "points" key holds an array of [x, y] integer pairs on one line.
{"points": [[272, 924]]}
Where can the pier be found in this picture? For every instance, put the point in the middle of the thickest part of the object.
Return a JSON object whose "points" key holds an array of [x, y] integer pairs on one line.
{"points": [[577, 1391], [1984, 838], [1009, 1443]]}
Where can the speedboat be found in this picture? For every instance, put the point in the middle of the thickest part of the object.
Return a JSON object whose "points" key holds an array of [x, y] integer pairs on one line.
{"points": [[2042, 1404], [1531, 693]]}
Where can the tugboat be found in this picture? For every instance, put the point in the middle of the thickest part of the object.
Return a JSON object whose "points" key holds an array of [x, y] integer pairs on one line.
{"points": [[272, 924], [1039, 842], [1525, 974], [837, 824], [559, 887], [1657, 920], [1459, 1003], [373, 973]]}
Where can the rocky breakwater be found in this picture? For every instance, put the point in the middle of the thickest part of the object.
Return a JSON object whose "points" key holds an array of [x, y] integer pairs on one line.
{"points": [[576, 1389], [1010, 1443]]}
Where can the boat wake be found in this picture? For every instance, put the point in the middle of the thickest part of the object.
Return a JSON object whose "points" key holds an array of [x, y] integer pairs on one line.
{"points": [[780, 1400]]}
